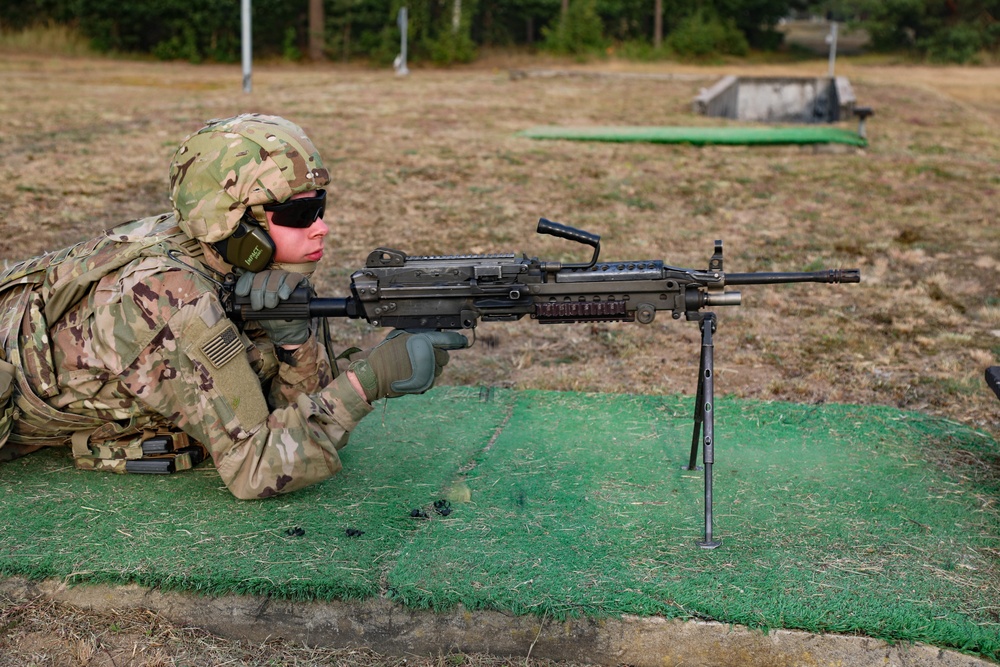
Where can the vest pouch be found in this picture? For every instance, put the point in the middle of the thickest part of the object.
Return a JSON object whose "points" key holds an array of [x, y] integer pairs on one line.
{"points": [[31, 352], [9, 413], [147, 453], [7, 408]]}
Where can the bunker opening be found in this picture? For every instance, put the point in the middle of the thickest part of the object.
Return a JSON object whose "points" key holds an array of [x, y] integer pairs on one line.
{"points": [[782, 100]]}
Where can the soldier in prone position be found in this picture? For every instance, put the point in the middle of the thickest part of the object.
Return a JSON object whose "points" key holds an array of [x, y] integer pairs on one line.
{"points": [[119, 347]]}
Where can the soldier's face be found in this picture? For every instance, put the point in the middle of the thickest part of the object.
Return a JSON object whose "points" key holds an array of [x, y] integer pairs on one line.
{"points": [[297, 245]]}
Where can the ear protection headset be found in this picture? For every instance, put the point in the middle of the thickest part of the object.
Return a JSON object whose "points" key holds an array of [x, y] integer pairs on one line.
{"points": [[250, 247]]}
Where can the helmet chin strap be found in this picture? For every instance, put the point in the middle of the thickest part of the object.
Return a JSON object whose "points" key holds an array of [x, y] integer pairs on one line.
{"points": [[258, 214], [305, 268]]}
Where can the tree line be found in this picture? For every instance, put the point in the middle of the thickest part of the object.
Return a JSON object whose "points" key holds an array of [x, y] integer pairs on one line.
{"points": [[449, 31]]}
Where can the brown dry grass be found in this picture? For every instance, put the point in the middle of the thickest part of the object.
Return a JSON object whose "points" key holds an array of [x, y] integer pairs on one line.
{"points": [[43, 633], [431, 164]]}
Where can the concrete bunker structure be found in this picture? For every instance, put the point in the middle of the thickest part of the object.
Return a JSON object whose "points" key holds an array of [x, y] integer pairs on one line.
{"points": [[779, 99]]}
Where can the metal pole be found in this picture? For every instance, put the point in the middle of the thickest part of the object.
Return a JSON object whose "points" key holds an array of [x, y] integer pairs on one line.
{"points": [[247, 45], [403, 23], [832, 40]]}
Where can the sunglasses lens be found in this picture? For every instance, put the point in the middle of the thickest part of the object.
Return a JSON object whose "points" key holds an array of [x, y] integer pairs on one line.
{"points": [[299, 213]]}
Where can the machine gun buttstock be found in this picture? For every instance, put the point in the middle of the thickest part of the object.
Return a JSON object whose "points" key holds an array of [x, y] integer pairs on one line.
{"points": [[300, 305]]}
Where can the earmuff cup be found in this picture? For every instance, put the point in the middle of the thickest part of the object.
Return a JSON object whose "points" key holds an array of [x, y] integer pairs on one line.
{"points": [[250, 247]]}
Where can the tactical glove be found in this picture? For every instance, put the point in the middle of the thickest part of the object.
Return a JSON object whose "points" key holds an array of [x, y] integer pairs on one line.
{"points": [[406, 362], [266, 290]]}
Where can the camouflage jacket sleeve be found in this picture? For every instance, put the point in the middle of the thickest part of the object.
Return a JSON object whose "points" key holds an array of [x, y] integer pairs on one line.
{"points": [[195, 371], [307, 371]]}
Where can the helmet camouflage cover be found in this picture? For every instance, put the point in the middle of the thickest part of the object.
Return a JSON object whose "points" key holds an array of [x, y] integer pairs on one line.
{"points": [[237, 163]]}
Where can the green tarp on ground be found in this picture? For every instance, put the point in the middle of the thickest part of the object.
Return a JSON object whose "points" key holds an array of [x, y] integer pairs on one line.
{"points": [[834, 518], [700, 136]]}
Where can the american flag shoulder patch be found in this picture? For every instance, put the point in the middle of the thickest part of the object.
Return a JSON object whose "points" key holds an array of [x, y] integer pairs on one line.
{"points": [[223, 348]]}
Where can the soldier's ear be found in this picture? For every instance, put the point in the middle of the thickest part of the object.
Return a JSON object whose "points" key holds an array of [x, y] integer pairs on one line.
{"points": [[249, 247]]}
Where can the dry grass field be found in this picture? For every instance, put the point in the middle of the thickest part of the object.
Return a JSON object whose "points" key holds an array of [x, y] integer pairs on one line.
{"points": [[431, 164]]}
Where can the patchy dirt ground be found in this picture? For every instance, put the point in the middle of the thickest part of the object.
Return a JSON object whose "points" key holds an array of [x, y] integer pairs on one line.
{"points": [[42, 633], [432, 164]]}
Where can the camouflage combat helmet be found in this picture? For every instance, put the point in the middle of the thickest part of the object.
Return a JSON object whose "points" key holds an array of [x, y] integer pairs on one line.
{"points": [[240, 163]]}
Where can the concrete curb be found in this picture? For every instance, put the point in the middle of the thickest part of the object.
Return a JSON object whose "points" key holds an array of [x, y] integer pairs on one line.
{"points": [[390, 629]]}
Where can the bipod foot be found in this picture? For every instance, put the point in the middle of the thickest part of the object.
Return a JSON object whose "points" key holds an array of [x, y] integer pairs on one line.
{"points": [[709, 544]]}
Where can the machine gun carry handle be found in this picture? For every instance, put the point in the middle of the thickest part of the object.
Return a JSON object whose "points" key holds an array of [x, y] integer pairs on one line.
{"points": [[546, 226]]}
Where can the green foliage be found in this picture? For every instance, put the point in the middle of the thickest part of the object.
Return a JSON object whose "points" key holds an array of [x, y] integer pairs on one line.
{"points": [[452, 47], [48, 38], [432, 32], [579, 32], [627, 20], [510, 22], [182, 46], [290, 49], [755, 19], [953, 44], [193, 30], [209, 30], [703, 34], [362, 28], [893, 24], [640, 50], [938, 30]]}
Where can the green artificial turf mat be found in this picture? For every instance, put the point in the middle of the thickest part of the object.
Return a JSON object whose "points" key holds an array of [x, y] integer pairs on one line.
{"points": [[185, 531], [834, 518], [700, 136]]}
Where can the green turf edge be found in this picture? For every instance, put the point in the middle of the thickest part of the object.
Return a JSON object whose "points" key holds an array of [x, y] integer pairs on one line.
{"points": [[701, 136]]}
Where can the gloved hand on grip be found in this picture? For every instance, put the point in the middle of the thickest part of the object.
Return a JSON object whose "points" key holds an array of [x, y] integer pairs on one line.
{"points": [[267, 289], [406, 362]]}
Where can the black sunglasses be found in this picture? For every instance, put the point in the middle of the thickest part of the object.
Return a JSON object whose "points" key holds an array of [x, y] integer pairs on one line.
{"points": [[299, 213]]}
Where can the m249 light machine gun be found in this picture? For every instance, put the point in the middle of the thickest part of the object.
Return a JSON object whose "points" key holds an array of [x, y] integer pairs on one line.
{"points": [[459, 291]]}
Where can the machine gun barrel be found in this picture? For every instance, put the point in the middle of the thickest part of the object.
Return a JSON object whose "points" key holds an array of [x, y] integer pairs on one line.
{"points": [[829, 276]]}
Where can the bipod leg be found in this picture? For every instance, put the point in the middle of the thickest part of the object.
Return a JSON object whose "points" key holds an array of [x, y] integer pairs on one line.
{"points": [[699, 414], [706, 405]]}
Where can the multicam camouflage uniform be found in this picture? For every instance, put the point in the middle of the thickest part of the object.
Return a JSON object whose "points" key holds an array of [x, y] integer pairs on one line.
{"points": [[123, 337]]}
